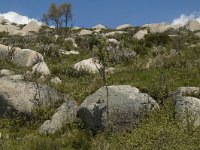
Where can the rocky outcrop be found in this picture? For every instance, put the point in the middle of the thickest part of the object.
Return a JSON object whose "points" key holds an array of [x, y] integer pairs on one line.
{"points": [[91, 65], [22, 96], [72, 52], [56, 80], [41, 69], [73, 42], [187, 104], [32, 26], [140, 34], [6, 72], [26, 57], [99, 27], [124, 26], [162, 27], [66, 113], [85, 32], [114, 33], [192, 25], [126, 105]]}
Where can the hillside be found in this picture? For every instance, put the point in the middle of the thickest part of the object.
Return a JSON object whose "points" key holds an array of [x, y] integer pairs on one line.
{"points": [[54, 85]]}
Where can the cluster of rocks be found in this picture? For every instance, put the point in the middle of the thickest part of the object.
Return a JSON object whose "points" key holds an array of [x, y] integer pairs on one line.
{"points": [[14, 29]]}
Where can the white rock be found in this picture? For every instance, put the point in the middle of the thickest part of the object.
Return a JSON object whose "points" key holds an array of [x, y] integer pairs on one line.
{"points": [[114, 33], [140, 34], [91, 65], [32, 26], [73, 42], [41, 69], [66, 113], [113, 41], [56, 80], [6, 72], [85, 32], [26, 57], [193, 25], [99, 27], [73, 52], [75, 28], [124, 26]]}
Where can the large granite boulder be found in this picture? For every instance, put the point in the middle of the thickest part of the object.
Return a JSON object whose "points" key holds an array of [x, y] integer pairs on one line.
{"points": [[26, 57], [124, 26], [99, 27], [22, 96], [91, 65], [187, 105], [66, 113], [192, 25], [32, 26], [126, 105], [41, 68]]}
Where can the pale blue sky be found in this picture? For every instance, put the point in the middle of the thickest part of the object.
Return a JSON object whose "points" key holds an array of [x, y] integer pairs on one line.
{"points": [[110, 13]]}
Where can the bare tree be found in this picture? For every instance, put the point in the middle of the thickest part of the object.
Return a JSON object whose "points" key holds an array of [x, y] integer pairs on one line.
{"points": [[55, 14], [66, 10]]}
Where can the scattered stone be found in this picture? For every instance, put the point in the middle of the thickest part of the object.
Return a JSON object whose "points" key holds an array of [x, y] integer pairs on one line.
{"points": [[85, 32], [32, 26], [26, 57], [56, 80], [124, 26], [23, 96], [99, 27], [113, 41], [140, 34], [126, 106], [73, 52], [66, 113], [73, 42], [192, 25], [91, 65], [114, 33], [75, 28], [6, 72], [41, 69]]}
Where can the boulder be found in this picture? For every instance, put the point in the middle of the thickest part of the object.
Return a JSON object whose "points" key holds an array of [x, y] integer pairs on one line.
{"points": [[113, 41], [41, 69], [99, 27], [6, 72], [22, 96], [192, 25], [32, 26], [85, 32], [75, 28], [73, 42], [124, 26], [13, 77], [91, 65], [114, 33], [187, 105], [4, 52], [66, 113], [73, 52], [11, 29], [26, 57], [162, 27], [140, 34], [126, 105], [56, 80]]}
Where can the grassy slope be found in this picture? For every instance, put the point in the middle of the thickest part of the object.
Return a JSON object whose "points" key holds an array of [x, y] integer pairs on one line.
{"points": [[158, 131]]}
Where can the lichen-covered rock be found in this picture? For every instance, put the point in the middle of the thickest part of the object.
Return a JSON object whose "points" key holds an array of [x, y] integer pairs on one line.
{"points": [[66, 113], [126, 105], [26, 57], [41, 69], [22, 96], [91, 65], [6, 72]]}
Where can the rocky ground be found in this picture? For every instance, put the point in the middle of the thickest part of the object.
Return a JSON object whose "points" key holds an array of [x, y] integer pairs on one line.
{"points": [[52, 95]]}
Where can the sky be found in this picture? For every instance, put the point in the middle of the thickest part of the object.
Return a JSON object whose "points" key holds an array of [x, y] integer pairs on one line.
{"points": [[111, 13]]}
